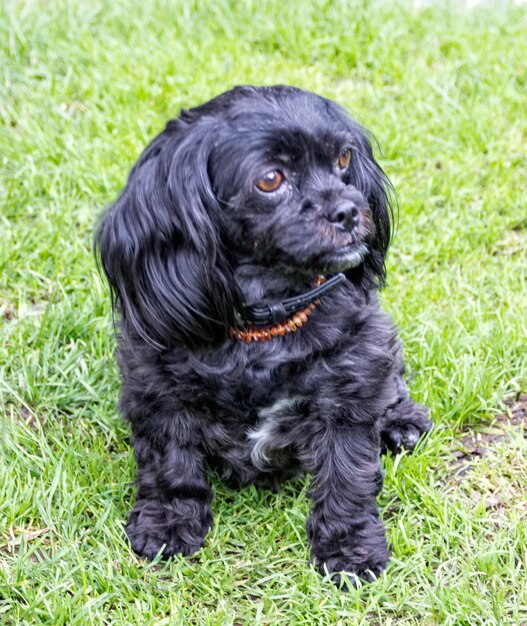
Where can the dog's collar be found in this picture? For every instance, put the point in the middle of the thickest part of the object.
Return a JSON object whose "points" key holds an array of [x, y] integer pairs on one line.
{"points": [[262, 322]]}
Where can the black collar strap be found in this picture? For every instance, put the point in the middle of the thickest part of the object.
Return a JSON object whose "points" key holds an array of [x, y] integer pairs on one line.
{"points": [[270, 314]]}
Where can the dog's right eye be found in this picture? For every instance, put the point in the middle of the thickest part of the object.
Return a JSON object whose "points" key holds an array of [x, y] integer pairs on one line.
{"points": [[344, 158], [271, 181]]}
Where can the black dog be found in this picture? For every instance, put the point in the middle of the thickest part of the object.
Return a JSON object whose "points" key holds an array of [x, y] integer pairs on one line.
{"points": [[235, 352]]}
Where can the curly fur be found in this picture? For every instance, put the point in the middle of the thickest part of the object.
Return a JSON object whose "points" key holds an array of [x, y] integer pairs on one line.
{"points": [[190, 239]]}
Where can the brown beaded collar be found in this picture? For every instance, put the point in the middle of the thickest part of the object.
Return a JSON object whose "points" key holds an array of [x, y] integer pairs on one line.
{"points": [[300, 306]]}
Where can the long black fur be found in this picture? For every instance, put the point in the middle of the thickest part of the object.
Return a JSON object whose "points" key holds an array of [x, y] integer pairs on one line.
{"points": [[190, 239]]}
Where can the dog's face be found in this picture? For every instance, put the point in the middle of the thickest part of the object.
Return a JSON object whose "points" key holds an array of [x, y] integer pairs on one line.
{"points": [[289, 196], [271, 176]]}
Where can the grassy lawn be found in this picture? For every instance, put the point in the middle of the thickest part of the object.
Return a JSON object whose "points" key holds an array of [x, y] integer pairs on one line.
{"points": [[83, 87]]}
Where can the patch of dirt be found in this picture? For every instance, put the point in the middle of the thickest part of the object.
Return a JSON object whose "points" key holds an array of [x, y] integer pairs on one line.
{"points": [[25, 414], [476, 444], [10, 313], [513, 244], [489, 467], [7, 312], [12, 544]]}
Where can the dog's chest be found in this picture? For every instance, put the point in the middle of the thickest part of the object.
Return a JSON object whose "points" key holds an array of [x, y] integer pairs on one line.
{"points": [[260, 386], [271, 430], [248, 386], [257, 397]]}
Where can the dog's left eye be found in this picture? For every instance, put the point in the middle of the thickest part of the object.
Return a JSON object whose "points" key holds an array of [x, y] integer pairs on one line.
{"points": [[271, 181], [344, 158]]}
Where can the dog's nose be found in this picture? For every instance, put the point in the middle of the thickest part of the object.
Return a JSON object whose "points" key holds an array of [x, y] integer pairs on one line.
{"points": [[344, 214]]}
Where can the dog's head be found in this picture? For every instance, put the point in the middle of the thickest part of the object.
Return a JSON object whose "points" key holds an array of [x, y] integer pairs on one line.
{"points": [[272, 176]]}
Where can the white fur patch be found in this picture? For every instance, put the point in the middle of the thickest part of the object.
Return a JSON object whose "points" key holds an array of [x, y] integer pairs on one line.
{"points": [[262, 435], [354, 259]]}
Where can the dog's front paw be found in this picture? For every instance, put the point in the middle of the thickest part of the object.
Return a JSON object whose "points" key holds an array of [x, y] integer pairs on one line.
{"points": [[177, 527], [360, 553], [403, 425]]}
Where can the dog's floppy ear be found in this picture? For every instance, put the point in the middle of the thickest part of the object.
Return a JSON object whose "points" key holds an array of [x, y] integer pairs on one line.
{"points": [[160, 246], [367, 176]]}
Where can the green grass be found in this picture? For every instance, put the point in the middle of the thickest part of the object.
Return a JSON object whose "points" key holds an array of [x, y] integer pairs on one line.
{"points": [[84, 85]]}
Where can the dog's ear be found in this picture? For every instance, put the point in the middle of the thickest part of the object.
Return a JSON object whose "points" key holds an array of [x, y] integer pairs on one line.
{"points": [[367, 176], [160, 245]]}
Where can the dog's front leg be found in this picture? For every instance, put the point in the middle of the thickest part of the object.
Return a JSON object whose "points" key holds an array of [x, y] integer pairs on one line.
{"points": [[172, 509], [345, 532]]}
